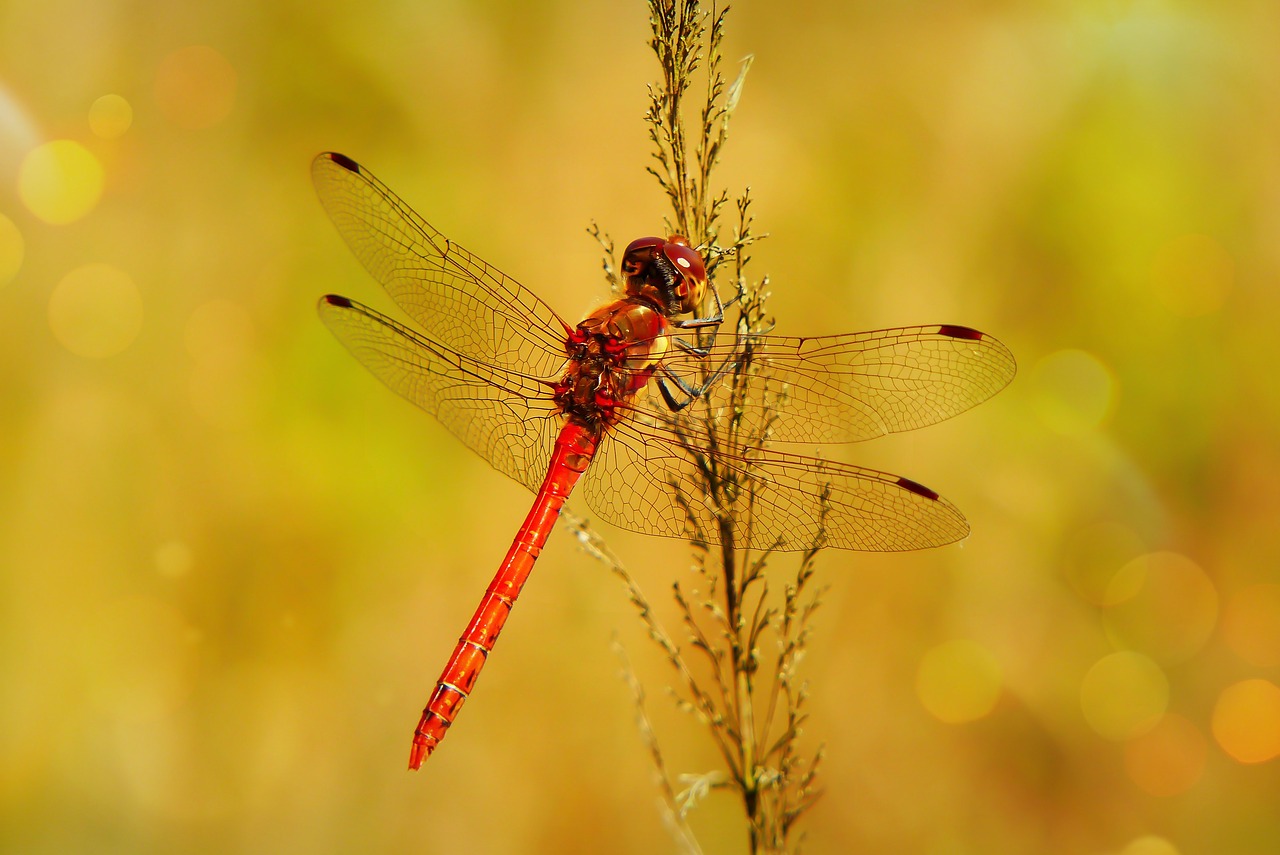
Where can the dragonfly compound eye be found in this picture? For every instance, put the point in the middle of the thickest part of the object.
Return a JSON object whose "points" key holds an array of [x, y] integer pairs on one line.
{"points": [[693, 272], [639, 255]]}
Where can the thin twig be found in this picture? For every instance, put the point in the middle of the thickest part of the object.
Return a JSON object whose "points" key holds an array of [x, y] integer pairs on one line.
{"points": [[754, 716]]}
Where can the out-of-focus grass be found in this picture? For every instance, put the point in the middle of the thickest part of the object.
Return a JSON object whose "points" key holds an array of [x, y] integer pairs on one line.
{"points": [[230, 561]]}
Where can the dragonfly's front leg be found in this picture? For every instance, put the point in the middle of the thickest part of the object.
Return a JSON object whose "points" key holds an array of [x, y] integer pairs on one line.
{"points": [[713, 320]]}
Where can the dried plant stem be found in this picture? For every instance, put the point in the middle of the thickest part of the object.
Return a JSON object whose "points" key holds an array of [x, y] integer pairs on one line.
{"points": [[730, 614]]}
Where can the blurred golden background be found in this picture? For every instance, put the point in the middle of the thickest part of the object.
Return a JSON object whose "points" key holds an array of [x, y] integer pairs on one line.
{"points": [[232, 563]]}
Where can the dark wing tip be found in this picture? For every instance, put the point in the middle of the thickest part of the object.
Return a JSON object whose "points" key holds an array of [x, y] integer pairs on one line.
{"points": [[955, 331], [343, 161], [917, 488], [335, 300]]}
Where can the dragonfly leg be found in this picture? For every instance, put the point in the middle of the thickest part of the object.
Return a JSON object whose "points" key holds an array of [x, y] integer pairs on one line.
{"points": [[690, 347], [672, 404], [691, 392], [713, 320]]}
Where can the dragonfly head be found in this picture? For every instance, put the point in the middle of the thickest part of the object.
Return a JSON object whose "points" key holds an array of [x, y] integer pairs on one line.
{"points": [[667, 271]]}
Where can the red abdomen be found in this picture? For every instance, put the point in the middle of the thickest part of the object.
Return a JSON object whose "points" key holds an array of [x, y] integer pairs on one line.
{"points": [[573, 451]]}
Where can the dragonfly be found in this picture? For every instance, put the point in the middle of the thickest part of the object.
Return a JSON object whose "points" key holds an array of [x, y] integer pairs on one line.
{"points": [[605, 401]]}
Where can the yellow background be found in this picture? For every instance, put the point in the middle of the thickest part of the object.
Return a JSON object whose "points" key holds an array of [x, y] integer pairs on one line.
{"points": [[232, 563]]}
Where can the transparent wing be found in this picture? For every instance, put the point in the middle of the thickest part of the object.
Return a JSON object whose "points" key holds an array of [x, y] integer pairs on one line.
{"points": [[459, 300], [645, 479], [507, 417], [492, 351], [852, 387]]}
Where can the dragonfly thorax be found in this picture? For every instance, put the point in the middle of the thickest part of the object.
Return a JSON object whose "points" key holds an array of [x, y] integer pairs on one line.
{"points": [[612, 353]]}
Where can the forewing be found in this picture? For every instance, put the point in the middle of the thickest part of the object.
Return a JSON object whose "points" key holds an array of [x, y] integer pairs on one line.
{"points": [[460, 301], [506, 417], [852, 387], [644, 479]]}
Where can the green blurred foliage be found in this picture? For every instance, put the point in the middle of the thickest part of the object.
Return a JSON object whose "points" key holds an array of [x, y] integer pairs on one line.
{"points": [[231, 563]]}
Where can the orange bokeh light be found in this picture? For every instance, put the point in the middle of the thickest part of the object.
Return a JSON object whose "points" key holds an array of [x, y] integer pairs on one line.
{"points": [[1169, 758], [1246, 721]]}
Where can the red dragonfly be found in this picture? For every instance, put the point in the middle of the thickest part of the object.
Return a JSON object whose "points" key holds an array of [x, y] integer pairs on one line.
{"points": [[547, 403]]}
